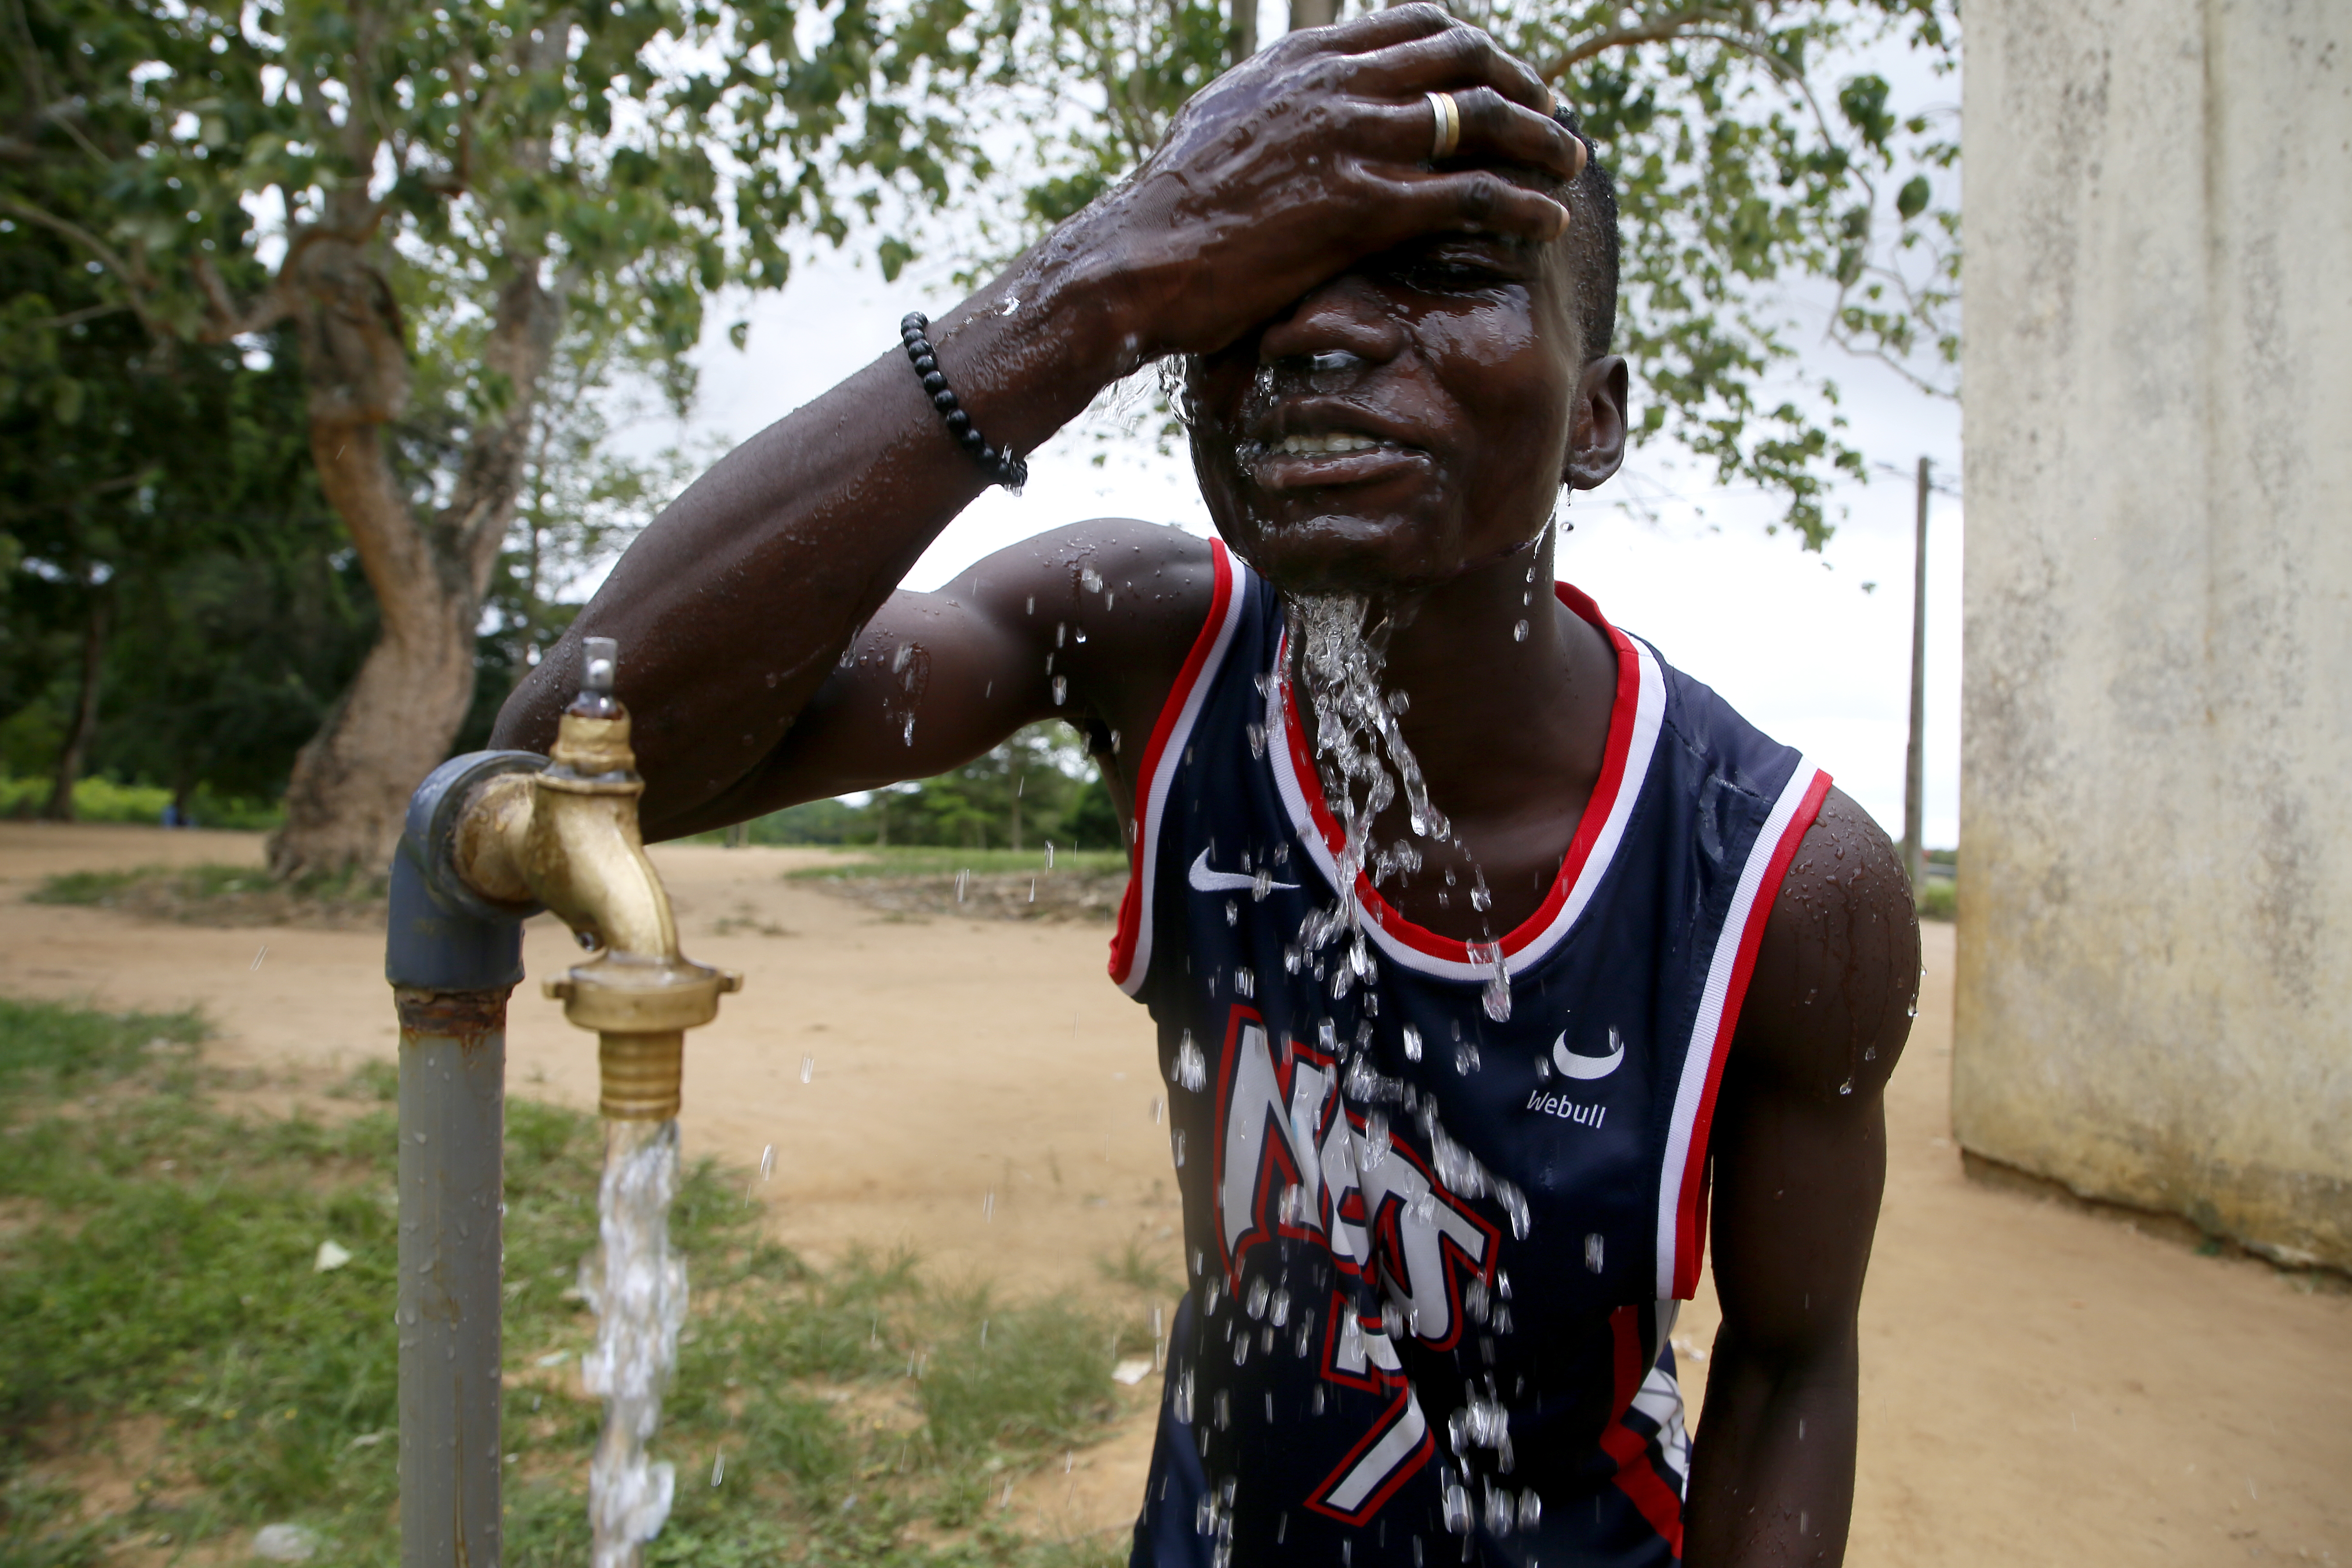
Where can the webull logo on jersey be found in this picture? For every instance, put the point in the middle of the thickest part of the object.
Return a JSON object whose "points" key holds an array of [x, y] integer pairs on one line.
{"points": [[1291, 1160]]}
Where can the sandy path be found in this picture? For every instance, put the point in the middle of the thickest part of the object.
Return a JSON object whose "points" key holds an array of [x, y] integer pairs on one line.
{"points": [[2040, 1385]]}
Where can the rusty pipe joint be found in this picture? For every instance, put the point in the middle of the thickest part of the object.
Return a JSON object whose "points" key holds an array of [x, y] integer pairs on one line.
{"points": [[567, 838]]}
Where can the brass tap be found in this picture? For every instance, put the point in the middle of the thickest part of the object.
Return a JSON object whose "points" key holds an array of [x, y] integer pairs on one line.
{"points": [[567, 838]]}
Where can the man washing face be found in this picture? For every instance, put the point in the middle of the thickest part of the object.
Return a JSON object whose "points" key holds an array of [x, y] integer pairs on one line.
{"points": [[1489, 955]]}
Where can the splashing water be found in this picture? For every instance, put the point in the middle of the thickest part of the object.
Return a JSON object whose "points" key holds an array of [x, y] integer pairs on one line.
{"points": [[638, 1291], [1339, 665]]}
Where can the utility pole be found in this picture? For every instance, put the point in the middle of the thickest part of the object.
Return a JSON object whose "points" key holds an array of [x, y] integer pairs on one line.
{"points": [[1915, 755]]}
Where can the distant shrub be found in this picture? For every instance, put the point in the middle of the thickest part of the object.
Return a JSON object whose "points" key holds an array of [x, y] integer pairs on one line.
{"points": [[101, 799]]}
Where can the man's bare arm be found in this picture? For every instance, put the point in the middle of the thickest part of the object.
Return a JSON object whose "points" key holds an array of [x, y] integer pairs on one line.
{"points": [[1799, 1157], [1089, 624]]}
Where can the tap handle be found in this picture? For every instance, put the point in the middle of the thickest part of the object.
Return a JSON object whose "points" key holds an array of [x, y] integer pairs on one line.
{"points": [[600, 660]]}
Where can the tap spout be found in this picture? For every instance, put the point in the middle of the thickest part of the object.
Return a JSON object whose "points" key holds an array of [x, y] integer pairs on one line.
{"points": [[567, 838]]}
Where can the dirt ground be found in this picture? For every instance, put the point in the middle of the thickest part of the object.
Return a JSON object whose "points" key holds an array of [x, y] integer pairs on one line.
{"points": [[2040, 1385]]}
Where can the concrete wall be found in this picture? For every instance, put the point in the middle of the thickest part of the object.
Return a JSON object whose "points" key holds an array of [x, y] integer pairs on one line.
{"points": [[2155, 988]]}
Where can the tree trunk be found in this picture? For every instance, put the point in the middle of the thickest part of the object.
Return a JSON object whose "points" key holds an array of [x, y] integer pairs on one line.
{"points": [[60, 808], [1313, 13], [1244, 32], [351, 783]]}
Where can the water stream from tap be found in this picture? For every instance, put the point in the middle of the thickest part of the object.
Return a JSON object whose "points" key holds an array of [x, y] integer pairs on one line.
{"points": [[638, 1291]]}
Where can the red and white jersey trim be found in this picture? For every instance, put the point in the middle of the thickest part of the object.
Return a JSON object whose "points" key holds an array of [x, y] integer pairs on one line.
{"points": [[1131, 946], [1634, 721], [1682, 1185]]}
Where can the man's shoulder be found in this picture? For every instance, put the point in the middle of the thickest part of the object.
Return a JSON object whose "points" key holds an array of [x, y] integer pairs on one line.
{"points": [[1119, 601], [1836, 980]]}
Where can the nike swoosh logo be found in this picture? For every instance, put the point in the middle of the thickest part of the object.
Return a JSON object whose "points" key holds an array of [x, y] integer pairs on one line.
{"points": [[1587, 1068], [1209, 881]]}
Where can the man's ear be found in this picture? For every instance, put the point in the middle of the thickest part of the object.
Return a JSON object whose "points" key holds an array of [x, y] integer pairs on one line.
{"points": [[1596, 435]]}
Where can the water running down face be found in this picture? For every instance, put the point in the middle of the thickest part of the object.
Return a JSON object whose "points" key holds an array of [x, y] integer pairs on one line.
{"points": [[1414, 417]]}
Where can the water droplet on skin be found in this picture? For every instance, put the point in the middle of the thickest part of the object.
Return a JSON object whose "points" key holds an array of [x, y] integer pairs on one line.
{"points": [[1232, 914], [1519, 632], [1593, 1252], [1411, 1044], [907, 732], [1179, 1142], [1846, 1088], [1079, 635], [1091, 579], [1033, 605]]}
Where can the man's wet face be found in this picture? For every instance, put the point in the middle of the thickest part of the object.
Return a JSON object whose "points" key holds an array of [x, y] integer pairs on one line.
{"points": [[1405, 422]]}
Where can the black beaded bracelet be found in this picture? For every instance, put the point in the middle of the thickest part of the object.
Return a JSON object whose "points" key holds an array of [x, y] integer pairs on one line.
{"points": [[1002, 467]]}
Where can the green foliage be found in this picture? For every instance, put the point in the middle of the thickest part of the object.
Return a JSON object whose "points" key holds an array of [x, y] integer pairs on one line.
{"points": [[426, 194], [654, 152], [166, 509], [159, 1264], [103, 800]]}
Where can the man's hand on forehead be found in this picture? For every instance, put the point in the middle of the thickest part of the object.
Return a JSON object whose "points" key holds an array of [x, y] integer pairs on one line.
{"points": [[1419, 48], [1314, 154]]}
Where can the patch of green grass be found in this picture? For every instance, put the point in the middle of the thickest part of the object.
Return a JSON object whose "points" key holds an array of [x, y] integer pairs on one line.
{"points": [[1037, 1376], [1939, 898], [199, 884], [157, 1263], [50, 1046], [1140, 1270], [928, 860]]}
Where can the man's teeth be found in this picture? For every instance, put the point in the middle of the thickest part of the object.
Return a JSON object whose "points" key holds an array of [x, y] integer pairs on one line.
{"points": [[1335, 441]]}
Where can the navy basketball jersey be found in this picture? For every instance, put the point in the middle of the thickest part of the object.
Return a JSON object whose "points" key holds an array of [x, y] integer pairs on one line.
{"points": [[1433, 1258]]}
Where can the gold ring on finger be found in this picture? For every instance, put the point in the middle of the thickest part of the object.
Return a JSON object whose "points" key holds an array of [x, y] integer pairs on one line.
{"points": [[1448, 136]]}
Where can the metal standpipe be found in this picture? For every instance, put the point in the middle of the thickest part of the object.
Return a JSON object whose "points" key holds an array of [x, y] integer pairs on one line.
{"points": [[490, 839], [452, 960]]}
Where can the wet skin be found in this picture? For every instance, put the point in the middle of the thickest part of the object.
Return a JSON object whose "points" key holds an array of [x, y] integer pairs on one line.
{"points": [[1323, 280]]}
